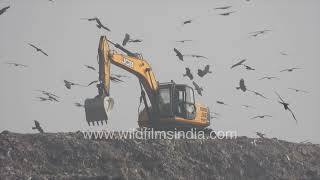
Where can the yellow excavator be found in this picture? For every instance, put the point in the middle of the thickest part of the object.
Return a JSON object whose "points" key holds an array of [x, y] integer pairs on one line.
{"points": [[166, 105]]}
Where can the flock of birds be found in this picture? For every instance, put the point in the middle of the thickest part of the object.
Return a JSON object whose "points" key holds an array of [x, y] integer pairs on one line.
{"points": [[117, 78], [242, 63]]}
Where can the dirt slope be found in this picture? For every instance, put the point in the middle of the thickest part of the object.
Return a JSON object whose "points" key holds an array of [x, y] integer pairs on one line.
{"points": [[70, 156]]}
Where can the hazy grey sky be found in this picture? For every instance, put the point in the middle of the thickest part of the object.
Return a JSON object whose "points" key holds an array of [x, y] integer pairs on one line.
{"points": [[71, 43]]}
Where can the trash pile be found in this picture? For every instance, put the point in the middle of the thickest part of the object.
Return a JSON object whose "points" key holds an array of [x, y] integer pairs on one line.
{"points": [[71, 156]]}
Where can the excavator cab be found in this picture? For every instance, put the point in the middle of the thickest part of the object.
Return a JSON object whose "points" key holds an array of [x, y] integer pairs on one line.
{"points": [[176, 100], [177, 108]]}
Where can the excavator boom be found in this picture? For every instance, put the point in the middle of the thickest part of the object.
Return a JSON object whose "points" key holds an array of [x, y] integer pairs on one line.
{"points": [[97, 109]]}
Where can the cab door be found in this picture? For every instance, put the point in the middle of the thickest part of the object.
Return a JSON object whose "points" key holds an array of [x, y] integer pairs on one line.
{"points": [[184, 102]]}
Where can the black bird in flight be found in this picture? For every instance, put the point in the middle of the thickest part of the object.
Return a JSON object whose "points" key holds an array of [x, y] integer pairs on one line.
{"points": [[298, 90], [16, 64], [120, 76], [99, 24], [223, 7], [68, 84], [135, 40], [112, 78], [261, 135], [286, 106], [289, 69], [248, 67], [258, 94], [222, 103], [197, 88], [205, 71], [50, 96], [188, 73], [183, 41], [260, 116], [3, 10], [196, 56], [242, 86], [115, 79], [37, 126], [90, 67], [92, 82], [187, 22], [247, 106], [178, 54], [78, 104], [256, 33], [227, 13], [127, 39], [238, 63], [268, 77], [48, 93], [38, 49], [44, 99]]}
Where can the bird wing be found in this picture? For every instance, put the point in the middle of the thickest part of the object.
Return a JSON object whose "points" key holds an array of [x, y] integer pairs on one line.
{"points": [[98, 21], [92, 82], [114, 79], [103, 26], [224, 7], [255, 117], [284, 70], [239, 63], [207, 68], [295, 68], [33, 46], [263, 78], [198, 56], [22, 65], [36, 123], [241, 83], [186, 22], [280, 97], [90, 67], [43, 52], [126, 39], [178, 53], [53, 98], [4, 9], [293, 115], [94, 19], [259, 94], [135, 40], [196, 85]]}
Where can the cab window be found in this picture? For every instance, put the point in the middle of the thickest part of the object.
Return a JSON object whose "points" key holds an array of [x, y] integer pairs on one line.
{"points": [[164, 101]]}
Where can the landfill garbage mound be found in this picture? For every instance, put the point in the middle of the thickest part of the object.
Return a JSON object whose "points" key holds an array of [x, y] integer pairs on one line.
{"points": [[71, 156]]}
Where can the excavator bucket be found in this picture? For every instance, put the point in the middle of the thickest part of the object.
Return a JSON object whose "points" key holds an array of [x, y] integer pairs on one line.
{"points": [[98, 109]]}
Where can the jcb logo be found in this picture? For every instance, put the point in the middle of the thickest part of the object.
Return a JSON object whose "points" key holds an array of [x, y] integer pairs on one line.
{"points": [[127, 62]]}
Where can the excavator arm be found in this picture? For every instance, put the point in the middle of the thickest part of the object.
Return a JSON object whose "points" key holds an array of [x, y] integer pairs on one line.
{"points": [[97, 109]]}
